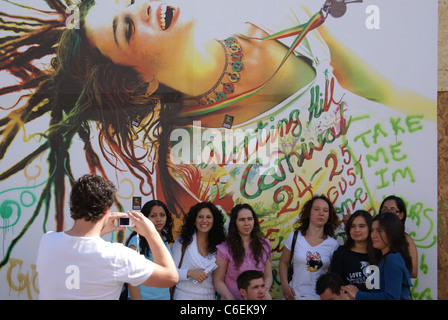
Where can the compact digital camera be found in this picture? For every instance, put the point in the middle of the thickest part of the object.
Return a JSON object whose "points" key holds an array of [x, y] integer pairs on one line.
{"points": [[125, 222]]}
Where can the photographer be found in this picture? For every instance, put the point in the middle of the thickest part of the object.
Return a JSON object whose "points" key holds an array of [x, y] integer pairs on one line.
{"points": [[79, 264]]}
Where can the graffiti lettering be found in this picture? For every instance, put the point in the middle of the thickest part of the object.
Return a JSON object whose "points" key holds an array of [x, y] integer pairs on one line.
{"points": [[413, 124], [319, 105], [290, 197], [277, 172], [403, 173], [348, 204], [19, 281]]}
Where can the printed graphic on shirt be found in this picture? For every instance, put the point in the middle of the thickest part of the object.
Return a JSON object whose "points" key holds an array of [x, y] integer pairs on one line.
{"points": [[313, 261], [359, 278]]}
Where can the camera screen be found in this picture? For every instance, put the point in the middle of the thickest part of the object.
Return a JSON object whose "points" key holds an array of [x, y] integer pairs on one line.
{"points": [[124, 221]]}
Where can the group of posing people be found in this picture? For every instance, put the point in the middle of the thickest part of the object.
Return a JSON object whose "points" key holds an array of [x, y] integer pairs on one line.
{"points": [[207, 262]]}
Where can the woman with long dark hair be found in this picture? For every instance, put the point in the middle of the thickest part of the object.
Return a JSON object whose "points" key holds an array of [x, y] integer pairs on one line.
{"points": [[396, 205], [160, 216], [394, 262], [194, 252], [351, 259], [245, 249]]}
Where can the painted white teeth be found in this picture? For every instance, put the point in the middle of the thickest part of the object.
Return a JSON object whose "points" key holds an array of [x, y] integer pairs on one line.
{"points": [[163, 16]]}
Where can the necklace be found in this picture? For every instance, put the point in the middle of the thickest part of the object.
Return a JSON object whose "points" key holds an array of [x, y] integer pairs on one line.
{"points": [[299, 31], [202, 251], [336, 8], [232, 68]]}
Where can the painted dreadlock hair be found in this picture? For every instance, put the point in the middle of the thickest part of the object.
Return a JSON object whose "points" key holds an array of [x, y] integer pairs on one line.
{"points": [[82, 88]]}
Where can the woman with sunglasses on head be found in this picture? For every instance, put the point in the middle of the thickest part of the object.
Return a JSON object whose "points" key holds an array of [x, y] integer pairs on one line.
{"points": [[396, 205]]}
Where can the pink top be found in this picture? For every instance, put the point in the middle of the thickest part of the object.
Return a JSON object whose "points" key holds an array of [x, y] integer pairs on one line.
{"points": [[249, 263]]}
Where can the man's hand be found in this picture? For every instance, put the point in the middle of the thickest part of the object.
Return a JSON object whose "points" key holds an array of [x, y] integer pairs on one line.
{"points": [[143, 225], [111, 225]]}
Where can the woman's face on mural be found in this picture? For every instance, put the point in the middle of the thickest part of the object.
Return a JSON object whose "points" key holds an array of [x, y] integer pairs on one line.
{"points": [[143, 34]]}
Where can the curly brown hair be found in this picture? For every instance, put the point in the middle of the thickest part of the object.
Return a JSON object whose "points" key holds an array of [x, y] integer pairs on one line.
{"points": [[91, 197], [304, 218]]}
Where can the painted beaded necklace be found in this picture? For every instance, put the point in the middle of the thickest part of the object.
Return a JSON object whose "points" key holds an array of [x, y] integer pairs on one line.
{"points": [[336, 8], [232, 67]]}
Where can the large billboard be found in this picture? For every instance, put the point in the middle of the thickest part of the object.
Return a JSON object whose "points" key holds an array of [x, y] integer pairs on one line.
{"points": [[260, 102]]}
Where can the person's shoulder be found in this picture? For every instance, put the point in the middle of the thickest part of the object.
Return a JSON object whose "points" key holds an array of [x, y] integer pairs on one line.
{"points": [[291, 234], [394, 258], [332, 241], [132, 241], [52, 236], [223, 246], [266, 242], [341, 250]]}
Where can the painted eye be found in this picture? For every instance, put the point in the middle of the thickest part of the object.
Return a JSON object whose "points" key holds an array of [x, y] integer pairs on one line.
{"points": [[129, 29]]}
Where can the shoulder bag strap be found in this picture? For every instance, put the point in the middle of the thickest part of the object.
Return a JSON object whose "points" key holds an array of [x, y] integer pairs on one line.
{"points": [[294, 239]]}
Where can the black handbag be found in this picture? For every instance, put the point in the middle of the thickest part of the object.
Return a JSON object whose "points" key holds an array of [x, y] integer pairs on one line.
{"points": [[290, 266]]}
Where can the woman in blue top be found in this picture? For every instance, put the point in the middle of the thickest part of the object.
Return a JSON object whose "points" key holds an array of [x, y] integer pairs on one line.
{"points": [[394, 261], [158, 213]]}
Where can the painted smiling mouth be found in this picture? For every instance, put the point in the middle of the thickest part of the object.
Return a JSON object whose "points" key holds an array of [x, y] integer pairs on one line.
{"points": [[166, 16]]}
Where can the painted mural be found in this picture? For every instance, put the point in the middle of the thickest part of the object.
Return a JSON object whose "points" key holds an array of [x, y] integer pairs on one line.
{"points": [[349, 111]]}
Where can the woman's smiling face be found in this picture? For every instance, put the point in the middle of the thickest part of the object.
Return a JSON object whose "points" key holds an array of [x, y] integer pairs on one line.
{"points": [[137, 33]]}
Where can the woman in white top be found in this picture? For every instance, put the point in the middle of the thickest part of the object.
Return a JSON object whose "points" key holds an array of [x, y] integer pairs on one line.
{"points": [[312, 250], [194, 252]]}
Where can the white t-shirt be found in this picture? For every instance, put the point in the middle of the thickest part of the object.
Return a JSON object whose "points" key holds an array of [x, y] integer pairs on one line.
{"points": [[186, 288], [309, 264], [87, 267]]}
